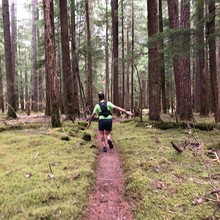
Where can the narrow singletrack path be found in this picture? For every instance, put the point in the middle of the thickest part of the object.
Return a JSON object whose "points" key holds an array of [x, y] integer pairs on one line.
{"points": [[107, 201]]}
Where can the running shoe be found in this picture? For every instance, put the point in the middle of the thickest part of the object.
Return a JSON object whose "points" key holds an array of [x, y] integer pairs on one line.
{"points": [[110, 144], [104, 149]]}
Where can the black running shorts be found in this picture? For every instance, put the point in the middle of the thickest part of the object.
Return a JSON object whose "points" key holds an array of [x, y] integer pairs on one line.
{"points": [[105, 124]]}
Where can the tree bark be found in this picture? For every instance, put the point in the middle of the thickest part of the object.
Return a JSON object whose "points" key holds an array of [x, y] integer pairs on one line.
{"points": [[27, 97], [51, 62], [21, 92], [199, 59], [153, 65], [127, 83], [181, 61], [11, 102], [89, 60], [2, 104], [162, 61], [75, 68], [184, 80], [123, 54], [114, 8], [132, 58], [107, 79], [144, 90], [14, 48], [173, 12], [66, 65], [34, 56], [212, 53]]}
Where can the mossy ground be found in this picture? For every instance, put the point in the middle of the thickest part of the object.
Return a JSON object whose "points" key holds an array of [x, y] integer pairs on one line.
{"points": [[162, 183], [43, 176]]}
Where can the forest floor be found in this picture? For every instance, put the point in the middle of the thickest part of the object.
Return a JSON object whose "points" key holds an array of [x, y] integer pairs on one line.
{"points": [[48, 173], [26, 119], [107, 200]]}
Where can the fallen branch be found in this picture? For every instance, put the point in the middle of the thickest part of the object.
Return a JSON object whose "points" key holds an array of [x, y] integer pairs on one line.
{"points": [[176, 147]]}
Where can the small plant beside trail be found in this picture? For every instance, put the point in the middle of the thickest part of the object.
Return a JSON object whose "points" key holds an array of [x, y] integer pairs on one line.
{"points": [[162, 183]]}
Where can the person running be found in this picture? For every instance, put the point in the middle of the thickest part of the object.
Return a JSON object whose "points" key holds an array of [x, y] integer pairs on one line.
{"points": [[104, 110]]}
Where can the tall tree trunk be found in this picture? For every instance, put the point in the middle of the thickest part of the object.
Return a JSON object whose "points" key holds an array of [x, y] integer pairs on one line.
{"points": [[40, 89], [107, 80], [66, 66], [205, 81], [153, 66], [132, 58], [181, 62], [48, 104], [60, 75], [114, 8], [2, 104], [14, 47], [205, 85], [199, 59], [184, 80], [21, 84], [169, 90], [75, 68], [89, 60], [144, 90], [162, 61], [212, 53], [40, 76], [51, 62], [173, 12], [27, 96], [127, 84], [123, 53], [34, 56], [11, 102], [21, 92], [217, 113]]}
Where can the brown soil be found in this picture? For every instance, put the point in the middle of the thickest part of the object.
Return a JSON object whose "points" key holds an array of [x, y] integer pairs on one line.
{"points": [[107, 201]]}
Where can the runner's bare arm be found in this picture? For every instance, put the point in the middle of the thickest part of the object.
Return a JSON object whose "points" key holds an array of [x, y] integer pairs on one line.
{"points": [[123, 110], [90, 119]]}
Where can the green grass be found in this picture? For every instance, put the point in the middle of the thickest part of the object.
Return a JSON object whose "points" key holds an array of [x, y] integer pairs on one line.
{"points": [[161, 183], [43, 177]]}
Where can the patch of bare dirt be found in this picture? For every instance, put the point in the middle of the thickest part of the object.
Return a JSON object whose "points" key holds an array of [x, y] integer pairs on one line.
{"points": [[107, 201]]}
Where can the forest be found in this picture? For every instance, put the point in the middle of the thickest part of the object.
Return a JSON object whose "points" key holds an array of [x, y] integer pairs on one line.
{"points": [[159, 59], [158, 55]]}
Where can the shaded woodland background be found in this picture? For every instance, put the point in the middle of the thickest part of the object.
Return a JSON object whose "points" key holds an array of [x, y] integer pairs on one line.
{"points": [[160, 55]]}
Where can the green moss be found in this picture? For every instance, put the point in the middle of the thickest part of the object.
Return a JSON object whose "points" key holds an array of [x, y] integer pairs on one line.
{"points": [[43, 177], [161, 183]]}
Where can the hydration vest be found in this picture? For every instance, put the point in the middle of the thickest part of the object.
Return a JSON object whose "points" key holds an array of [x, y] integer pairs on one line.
{"points": [[104, 110]]}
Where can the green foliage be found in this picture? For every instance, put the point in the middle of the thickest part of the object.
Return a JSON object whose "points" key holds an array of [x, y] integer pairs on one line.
{"points": [[43, 177], [165, 184]]}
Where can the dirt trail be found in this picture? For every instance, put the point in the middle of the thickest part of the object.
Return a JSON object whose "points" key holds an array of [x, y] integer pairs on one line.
{"points": [[107, 200]]}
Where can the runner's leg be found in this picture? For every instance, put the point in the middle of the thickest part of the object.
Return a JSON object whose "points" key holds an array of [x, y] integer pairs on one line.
{"points": [[108, 138], [102, 137], [108, 135]]}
